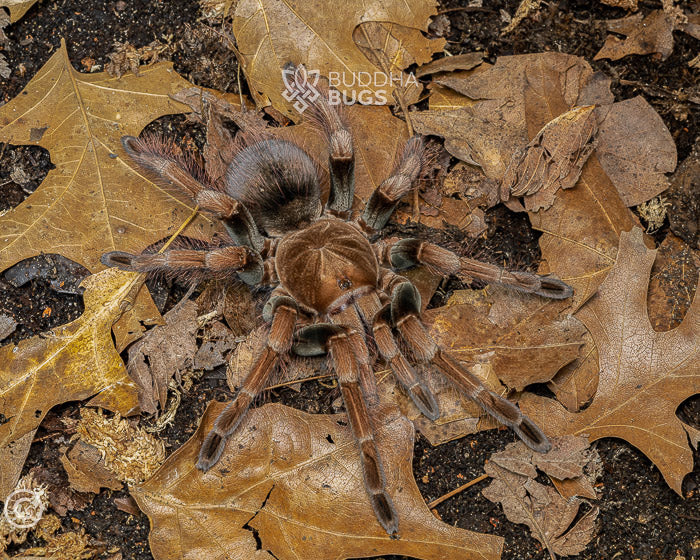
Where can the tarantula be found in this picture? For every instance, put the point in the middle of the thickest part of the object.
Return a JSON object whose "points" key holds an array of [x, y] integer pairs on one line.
{"points": [[332, 287]]}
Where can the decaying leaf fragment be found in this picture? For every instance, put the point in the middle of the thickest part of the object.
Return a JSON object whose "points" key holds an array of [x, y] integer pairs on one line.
{"points": [[295, 479], [548, 515], [17, 8], [645, 35], [644, 374], [96, 199], [72, 362], [552, 160], [163, 353]]}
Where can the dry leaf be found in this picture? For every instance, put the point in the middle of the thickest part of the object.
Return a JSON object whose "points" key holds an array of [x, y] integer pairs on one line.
{"points": [[163, 353], [552, 160], [72, 362], [645, 35], [292, 481], [644, 375], [625, 4], [636, 150], [96, 199], [17, 8], [464, 61], [127, 57], [674, 279], [270, 33], [541, 508], [86, 470], [525, 339], [218, 341]]}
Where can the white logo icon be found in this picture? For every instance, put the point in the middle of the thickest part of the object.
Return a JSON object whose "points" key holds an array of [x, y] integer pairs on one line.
{"points": [[300, 86], [25, 507]]}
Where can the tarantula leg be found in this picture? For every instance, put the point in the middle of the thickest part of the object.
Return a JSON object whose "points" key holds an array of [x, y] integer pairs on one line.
{"points": [[405, 313], [502, 409], [347, 370], [543, 285], [156, 155], [422, 397], [386, 197], [177, 262], [279, 341], [406, 253], [341, 158]]}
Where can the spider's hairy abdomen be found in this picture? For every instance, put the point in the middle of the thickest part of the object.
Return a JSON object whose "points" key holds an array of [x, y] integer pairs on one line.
{"points": [[279, 184], [326, 264]]}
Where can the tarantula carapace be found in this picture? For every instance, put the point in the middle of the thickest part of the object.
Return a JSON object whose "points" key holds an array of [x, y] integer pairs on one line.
{"points": [[332, 287]]}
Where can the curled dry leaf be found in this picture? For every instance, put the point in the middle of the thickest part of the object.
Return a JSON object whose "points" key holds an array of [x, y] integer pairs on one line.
{"points": [[552, 160], [290, 477], [270, 33], [86, 470], [96, 199], [548, 515], [684, 195], [464, 61], [72, 362], [644, 374], [163, 353]]}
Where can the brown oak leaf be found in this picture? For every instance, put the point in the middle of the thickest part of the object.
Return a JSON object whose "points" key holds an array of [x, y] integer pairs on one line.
{"points": [[295, 479], [96, 199], [644, 374]]}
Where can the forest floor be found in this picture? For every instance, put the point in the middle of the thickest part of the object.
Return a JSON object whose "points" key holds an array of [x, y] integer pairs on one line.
{"points": [[641, 517]]}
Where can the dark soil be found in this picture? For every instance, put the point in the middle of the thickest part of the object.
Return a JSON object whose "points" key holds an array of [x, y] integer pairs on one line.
{"points": [[641, 518]]}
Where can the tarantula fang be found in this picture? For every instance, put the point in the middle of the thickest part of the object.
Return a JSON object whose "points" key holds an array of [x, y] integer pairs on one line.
{"points": [[331, 286]]}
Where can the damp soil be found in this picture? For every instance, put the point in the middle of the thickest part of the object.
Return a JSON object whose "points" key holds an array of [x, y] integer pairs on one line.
{"points": [[641, 517]]}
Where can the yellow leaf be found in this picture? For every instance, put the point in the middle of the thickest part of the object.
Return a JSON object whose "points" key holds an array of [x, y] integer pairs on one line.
{"points": [[95, 200]]}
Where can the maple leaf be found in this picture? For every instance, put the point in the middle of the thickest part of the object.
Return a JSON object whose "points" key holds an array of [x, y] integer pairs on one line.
{"points": [[96, 199], [72, 362], [644, 374], [295, 479], [271, 33]]}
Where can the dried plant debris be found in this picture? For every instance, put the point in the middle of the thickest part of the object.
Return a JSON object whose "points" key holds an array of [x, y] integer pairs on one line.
{"points": [[126, 57], [22, 512], [550, 517], [648, 34], [644, 374], [217, 343], [653, 212], [290, 477], [163, 353], [552, 160], [7, 326], [70, 545], [131, 453], [17, 8], [85, 466]]}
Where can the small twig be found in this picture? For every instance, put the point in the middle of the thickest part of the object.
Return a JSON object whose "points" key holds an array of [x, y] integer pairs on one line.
{"points": [[288, 383], [456, 491]]}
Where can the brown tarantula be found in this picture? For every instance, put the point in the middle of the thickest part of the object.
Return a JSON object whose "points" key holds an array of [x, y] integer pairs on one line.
{"points": [[333, 288]]}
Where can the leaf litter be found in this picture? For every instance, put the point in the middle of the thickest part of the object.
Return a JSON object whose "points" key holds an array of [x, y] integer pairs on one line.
{"points": [[522, 131]]}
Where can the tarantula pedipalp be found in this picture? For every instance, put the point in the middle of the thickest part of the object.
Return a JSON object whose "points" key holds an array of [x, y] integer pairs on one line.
{"points": [[332, 287]]}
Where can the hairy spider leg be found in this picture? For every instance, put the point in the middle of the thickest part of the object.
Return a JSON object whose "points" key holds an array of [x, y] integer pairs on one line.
{"points": [[341, 153], [157, 155], [405, 315], [279, 341]]}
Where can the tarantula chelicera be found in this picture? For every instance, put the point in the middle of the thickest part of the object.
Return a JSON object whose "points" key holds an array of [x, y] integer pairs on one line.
{"points": [[332, 287]]}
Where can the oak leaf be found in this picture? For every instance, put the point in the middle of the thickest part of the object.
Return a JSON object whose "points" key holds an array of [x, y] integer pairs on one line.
{"points": [[293, 481], [73, 362], [96, 199], [548, 515], [644, 375], [645, 35], [17, 8], [271, 33]]}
